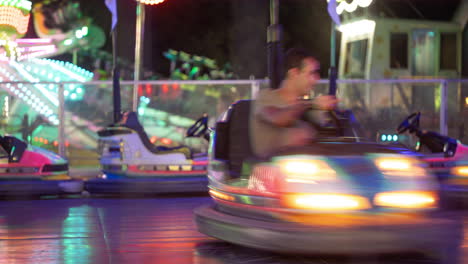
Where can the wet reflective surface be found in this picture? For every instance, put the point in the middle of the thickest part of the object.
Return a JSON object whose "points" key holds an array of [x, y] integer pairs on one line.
{"points": [[136, 230]]}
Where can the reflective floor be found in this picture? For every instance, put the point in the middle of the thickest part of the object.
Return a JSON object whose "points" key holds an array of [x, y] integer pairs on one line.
{"points": [[135, 230]]}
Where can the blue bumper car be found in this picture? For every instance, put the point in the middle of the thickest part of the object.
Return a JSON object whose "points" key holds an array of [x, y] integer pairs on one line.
{"points": [[339, 195]]}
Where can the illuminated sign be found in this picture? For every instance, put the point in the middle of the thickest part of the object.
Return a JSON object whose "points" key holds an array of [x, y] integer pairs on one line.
{"points": [[359, 27], [151, 2], [351, 7]]}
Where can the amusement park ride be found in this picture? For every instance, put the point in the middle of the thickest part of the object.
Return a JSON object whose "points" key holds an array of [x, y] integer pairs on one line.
{"points": [[61, 28], [28, 169]]}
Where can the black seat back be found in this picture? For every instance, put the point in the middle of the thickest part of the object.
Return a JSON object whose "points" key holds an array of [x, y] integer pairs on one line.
{"points": [[240, 147], [221, 144], [130, 120], [14, 147]]}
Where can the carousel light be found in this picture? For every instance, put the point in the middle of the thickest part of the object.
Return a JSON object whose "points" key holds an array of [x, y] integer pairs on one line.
{"points": [[67, 70], [33, 41], [13, 17], [21, 4]]}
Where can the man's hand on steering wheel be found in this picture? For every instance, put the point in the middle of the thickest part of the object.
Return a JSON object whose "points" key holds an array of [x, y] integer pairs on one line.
{"points": [[325, 102]]}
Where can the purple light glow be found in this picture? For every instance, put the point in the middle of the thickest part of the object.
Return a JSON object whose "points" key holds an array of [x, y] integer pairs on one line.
{"points": [[38, 48], [33, 41], [36, 54]]}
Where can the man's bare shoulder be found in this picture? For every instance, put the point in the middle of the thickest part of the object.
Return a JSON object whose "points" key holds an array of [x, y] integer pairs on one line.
{"points": [[267, 96]]}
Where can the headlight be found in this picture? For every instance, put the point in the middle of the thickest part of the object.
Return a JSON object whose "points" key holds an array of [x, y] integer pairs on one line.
{"points": [[406, 199], [221, 195], [306, 170], [399, 166], [326, 201], [460, 171]]}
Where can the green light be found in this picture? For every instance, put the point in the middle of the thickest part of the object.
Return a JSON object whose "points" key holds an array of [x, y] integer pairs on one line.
{"points": [[194, 71], [383, 137], [68, 42], [84, 30], [395, 137], [79, 34], [20, 4], [161, 123]]}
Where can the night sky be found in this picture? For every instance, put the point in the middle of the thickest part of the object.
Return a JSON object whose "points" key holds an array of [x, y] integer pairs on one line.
{"points": [[234, 31]]}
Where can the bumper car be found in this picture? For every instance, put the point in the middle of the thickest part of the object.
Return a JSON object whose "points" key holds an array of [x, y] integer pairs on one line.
{"points": [[338, 195], [131, 163], [446, 156], [29, 170]]}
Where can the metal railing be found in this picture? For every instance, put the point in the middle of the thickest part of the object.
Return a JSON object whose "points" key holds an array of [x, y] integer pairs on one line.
{"points": [[80, 119], [379, 104]]}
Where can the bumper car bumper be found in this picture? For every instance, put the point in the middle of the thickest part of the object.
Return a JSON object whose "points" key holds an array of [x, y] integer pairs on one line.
{"points": [[28, 187], [455, 187], [426, 234], [134, 185]]}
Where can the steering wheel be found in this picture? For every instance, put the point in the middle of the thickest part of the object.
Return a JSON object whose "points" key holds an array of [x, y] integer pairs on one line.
{"points": [[411, 123], [199, 128]]}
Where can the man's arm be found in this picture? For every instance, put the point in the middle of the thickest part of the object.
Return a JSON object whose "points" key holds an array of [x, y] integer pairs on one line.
{"points": [[286, 116], [282, 116]]}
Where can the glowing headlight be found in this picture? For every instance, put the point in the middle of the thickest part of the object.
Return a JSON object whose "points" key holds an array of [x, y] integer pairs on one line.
{"points": [[221, 195], [326, 201], [460, 171], [407, 199], [397, 166], [306, 170]]}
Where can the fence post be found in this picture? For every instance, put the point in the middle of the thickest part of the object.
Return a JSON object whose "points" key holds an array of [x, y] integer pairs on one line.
{"points": [[61, 117], [255, 87], [443, 107]]}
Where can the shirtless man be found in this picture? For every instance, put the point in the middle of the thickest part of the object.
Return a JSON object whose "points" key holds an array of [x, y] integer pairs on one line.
{"points": [[275, 118]]}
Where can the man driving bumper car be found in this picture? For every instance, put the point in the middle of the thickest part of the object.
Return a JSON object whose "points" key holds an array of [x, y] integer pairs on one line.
{"points": [[276, 117], [341, 195]]}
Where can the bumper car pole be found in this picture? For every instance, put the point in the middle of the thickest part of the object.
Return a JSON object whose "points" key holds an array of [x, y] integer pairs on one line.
{"points": [[274, 33], [61, 116], [332, 71]]}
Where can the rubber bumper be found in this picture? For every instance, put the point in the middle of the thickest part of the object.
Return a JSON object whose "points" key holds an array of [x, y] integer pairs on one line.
{"points": [[431, 234], [148, 185], [40, 187]]}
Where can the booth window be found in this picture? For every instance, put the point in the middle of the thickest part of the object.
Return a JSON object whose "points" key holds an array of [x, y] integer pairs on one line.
{"points": [[448, 51], [398, 50], [356, 58]]}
